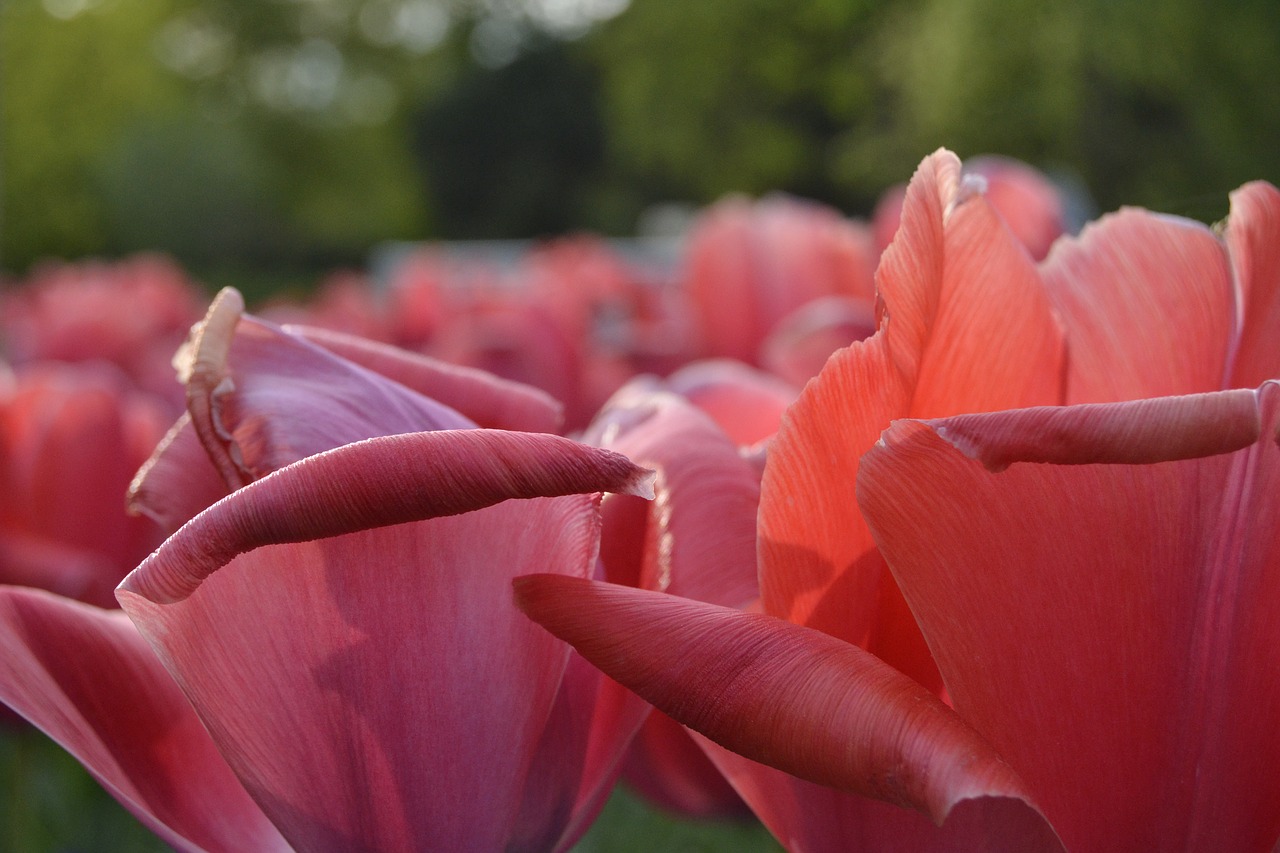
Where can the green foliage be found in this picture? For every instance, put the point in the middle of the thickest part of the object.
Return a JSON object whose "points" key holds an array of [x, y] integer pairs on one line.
{"points": [[1165, 105], [629, 825], [49, 803]]}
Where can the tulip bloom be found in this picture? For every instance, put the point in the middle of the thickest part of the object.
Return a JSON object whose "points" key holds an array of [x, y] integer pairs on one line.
{"points": [[341, 621], [1096, 582], [71, 436], [970, 323]]}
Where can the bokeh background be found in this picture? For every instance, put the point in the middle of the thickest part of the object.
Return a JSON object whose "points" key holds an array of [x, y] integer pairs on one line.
{"points": [[273, 139], [266, 143]]}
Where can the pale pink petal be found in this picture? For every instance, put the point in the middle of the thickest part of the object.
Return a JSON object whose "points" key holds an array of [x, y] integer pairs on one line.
{"points": [[378, 482], [488, 400], [801, 342], [261, 398], [788, 696], [88, 679], [1253, 237], [1148, 307], [1108, 627]]}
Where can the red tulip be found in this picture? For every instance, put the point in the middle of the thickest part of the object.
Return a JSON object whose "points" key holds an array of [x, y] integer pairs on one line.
{"points": [[970, 324], [341, 621]]}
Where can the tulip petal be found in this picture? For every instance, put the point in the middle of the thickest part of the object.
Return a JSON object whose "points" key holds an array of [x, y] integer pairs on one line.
{"points": [[788, 696], [1148, 307], [701, 532], [375, 483], [818, 819], [745, 402], [87, 678], [1108, 627], [377, 690], [968, 328], [1253, 237], [484, 398], [178, 481]]}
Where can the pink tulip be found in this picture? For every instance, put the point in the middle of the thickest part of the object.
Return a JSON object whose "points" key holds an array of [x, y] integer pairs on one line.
{"points": [[341, 621], [71, 437], [696, 539], [133, 313], [750, 264], [971, 324]]}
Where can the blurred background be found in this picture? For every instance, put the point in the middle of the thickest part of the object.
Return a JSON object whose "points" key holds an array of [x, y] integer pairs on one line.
{"points": [[275, 139]]}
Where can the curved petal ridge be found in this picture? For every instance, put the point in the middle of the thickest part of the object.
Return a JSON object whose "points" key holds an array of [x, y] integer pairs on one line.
{"points": [[488, 400], [1136, 432], [380, 482], [787, 696]]}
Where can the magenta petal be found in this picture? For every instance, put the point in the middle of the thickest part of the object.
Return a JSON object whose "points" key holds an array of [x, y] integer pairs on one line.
{"points": [[87, 678], [375, 483], [484, 398], [1108, 627], [377, 690], [787, 696]]}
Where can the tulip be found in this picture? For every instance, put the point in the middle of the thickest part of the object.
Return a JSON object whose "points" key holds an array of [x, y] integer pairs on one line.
{"points": [[71, 436], [750, 264], [969, 324], [340, 622], [1137, 641], [133, 313], [697, 539]]}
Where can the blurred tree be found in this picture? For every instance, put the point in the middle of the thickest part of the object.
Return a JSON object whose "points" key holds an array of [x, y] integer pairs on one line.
{"points": [[1162, 105], [514, 151], [71, 82]]}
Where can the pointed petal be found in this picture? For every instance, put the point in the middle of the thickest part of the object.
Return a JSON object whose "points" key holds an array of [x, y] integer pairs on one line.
{"points": [[375, 483], [377, 690], [1253, 237], [1093, 616], [968, 328], [87, 678], [484, 398], [1147, 304], [817, 819], [793, 698]]}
